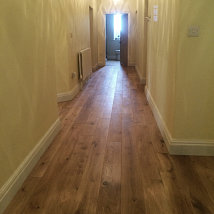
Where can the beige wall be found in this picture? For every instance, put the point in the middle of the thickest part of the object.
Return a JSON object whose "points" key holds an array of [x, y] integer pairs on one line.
{"points": [[93, 4], [180, 68], [194, 118], [114, 6], [161, 67], [141, 40], [37, 49], [72, 17], [28, 42], [39, 43]]}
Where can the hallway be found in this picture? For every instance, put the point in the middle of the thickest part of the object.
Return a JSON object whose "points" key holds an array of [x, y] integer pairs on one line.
{"points": [[110, 158]]}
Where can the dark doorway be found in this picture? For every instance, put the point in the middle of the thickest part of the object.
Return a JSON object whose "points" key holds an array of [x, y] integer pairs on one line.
{"points": [[115, 28]]}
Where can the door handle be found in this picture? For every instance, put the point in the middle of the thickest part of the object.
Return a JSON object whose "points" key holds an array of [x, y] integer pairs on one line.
{"points": [[147, 18]]}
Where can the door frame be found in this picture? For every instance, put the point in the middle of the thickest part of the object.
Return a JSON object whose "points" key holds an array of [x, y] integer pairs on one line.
{"points": [[124, 61], [146, 35], [129, 18], [91, 26]]}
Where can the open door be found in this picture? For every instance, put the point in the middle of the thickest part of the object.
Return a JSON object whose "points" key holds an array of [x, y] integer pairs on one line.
{"points": [[124, 40]]}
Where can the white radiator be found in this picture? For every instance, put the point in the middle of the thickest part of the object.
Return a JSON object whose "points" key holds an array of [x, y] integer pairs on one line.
{"points": [[85, 67]]}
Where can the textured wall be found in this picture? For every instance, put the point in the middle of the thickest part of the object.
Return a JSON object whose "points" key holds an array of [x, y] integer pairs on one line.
{"points": [[161, 67], [28, 41], [180, 68], [72, 17], [114, 6], [39, 43], [141, 40], [194, 118]]}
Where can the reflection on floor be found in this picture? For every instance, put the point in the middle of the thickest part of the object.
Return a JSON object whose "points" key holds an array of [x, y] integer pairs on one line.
{"points": [[110, 158], [112, 63]]}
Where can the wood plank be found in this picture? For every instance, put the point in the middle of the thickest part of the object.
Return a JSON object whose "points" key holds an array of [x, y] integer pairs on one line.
{"points": [[178, 201], [110, 158], [109, 194], [195, 191], [204, 166], [56, 189], [115, 128], [132, 193], [87, 194]]}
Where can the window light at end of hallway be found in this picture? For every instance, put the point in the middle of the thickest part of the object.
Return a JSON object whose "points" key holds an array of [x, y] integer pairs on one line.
{"points": [[116, 1], [117, 26]]}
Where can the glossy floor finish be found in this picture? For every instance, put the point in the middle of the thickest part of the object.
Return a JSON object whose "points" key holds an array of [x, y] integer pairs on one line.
{"points": [[110, 158]]}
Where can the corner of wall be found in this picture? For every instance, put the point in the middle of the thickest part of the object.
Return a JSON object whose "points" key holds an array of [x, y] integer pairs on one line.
{"points": [[13, 184], [66, 96], [179, 146], [142, 79]]}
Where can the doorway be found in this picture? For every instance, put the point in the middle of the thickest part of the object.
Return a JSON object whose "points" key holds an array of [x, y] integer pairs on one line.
{"points": [[117, 38], [147, 18], [91, 33]]}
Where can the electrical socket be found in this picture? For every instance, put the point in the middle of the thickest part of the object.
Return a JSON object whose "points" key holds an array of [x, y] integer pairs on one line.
{"points": [[193, 31]]}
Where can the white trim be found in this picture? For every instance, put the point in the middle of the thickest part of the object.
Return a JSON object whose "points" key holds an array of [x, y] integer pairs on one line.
{"points": [[142, 79], [95, 67], [192, 147], [13, 184], [101, 64], [66, 96], [160, 122], [180, 146]]}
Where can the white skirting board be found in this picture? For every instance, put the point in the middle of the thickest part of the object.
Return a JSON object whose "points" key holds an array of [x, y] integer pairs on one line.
{"points": [[180, 146], [62, 97], [142, 79], [101, 64], [14, 183], [95, 67]]}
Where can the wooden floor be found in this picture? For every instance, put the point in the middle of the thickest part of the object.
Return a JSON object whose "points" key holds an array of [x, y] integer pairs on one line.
{"points": [[110, 158]]}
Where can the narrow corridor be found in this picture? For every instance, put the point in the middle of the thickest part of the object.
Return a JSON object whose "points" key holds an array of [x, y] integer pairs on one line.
{"points": [[110, 158]]}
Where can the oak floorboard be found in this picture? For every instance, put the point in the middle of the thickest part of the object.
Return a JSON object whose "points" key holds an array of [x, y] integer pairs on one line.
{"points": [[205, 170], [110, 186], [110, 158], [192, 185]]}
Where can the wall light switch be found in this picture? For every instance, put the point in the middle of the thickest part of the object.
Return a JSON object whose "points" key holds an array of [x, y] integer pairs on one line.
{"points": [[193, 31], [155, 13]]}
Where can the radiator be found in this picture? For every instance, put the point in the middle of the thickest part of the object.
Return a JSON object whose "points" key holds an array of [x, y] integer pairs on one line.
{"points": [[85, 67]]}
